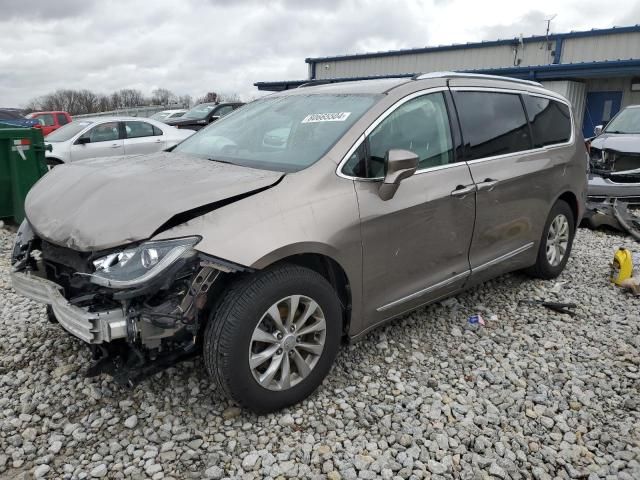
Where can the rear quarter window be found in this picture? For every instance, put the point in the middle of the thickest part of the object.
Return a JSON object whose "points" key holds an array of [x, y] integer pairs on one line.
{"points": [[550, 120]]}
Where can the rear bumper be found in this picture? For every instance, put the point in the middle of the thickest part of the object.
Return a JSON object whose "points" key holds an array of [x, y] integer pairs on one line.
{"points": [[92, 327]]}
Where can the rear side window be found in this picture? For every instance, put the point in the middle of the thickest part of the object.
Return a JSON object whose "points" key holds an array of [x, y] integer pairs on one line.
{"points": [[492, 123], [62, 119], [550, 120], [139, 129]]}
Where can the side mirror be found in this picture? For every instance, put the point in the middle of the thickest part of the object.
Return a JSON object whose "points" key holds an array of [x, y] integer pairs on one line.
{"points": [[83, 140], [214, 118], [398, 165], [598, 130]]}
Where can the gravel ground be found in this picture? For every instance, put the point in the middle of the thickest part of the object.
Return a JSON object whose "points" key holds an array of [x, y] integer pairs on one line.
{"points": [[533, 394]]}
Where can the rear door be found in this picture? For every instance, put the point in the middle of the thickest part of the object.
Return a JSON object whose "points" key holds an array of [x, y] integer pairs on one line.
{"points": [[142, 137], [415, 245], [104, 140], [512, 180]]}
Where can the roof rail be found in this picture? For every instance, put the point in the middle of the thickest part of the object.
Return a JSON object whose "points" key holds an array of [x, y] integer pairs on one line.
{"points": [[423, 76], [313, 83]]}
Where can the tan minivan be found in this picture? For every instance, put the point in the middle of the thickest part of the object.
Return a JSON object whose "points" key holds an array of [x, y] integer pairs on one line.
{"points": [[303, 218]]}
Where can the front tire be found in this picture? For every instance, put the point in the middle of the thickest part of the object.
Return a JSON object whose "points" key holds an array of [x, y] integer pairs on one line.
{"points": [[556, 242], [273, 337]]}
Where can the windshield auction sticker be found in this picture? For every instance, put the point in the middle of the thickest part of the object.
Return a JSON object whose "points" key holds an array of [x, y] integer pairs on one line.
{"points": [[326, 117]]}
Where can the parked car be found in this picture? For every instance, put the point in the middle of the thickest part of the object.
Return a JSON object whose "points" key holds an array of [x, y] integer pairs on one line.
{"points": [[615, 158], [168, 114], [110, 136], [369, 199], [14, 118], [50, 121], [203, 114]]}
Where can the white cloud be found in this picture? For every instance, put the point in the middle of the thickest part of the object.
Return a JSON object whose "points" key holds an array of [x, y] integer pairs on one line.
{"points": [[194, 46]]}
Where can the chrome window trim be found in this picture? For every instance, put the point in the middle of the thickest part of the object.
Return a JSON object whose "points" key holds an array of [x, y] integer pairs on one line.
{"points": [[419, 293], [532, 94], [419, 93], [377, 122]]}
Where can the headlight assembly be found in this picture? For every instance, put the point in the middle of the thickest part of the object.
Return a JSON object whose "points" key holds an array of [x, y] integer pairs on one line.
{"points": [[135, 266]]}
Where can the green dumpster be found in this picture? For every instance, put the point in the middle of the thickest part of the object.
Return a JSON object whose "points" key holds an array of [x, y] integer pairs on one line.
{"points": [[21, 165]]}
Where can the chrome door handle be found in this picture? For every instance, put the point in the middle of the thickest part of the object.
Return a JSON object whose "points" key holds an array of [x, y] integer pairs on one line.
{"points": [[115, 145], [488, 185], [462, 191]]}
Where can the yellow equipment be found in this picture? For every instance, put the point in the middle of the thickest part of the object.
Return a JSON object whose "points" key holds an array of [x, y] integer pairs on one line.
{"points": [[622, 266]]}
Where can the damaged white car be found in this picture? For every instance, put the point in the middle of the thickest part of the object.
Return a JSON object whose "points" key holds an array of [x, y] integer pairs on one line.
{"points": [[615, 158]]}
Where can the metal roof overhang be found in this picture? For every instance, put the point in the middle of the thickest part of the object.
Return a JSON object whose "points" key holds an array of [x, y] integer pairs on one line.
{"points": [[562, 71]]}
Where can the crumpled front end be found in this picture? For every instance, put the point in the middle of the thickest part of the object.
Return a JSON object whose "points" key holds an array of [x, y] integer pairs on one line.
{"points": [[614, 174], [141, 302]]}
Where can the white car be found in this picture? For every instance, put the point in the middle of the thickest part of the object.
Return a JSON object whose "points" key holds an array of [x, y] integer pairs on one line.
{"points": [[110, 136], [168, 114]]}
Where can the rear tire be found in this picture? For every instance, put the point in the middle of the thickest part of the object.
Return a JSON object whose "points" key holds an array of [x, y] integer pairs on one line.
{"points": [[300, 348], [555, 243]]}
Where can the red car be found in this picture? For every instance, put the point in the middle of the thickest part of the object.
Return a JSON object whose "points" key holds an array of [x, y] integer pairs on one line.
{"points": [[50, 121]]}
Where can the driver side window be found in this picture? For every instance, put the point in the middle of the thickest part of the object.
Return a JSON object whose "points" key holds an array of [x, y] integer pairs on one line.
{"points": [[421, 125]]}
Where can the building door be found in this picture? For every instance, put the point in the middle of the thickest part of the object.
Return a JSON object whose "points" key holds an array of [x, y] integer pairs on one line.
{"points": [[600, 108]]}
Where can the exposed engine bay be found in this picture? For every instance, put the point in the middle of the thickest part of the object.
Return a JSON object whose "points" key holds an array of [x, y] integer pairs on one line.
{"points": [[622, 167], [133, 328]]}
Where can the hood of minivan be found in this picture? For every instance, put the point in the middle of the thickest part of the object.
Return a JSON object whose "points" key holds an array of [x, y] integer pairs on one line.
{"points": [[96, 204], [625, 143]]}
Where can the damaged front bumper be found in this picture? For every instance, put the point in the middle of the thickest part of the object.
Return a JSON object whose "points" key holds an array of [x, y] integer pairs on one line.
{"points": [[600, 188], [92, 327]]}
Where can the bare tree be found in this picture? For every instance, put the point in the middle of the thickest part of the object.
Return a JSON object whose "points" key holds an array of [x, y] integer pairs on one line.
{"points": [[163, 96], [185, 100], [129, 97], [229, 97], [210, 97], [87, 102]]}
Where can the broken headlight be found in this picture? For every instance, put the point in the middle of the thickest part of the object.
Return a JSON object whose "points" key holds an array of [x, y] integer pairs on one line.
{"points": [[135, 266]]}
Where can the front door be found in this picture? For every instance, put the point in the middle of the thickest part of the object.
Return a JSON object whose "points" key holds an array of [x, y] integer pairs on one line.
{"points": [[104, 140], [599, 109], [415, 245]]}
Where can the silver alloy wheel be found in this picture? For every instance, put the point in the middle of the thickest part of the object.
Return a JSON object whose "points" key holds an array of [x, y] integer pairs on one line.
{"points": [[557, 240], [287, 342]]}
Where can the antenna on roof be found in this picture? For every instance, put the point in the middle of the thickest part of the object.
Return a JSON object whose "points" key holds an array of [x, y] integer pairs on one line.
{"points": [[546, 35]]}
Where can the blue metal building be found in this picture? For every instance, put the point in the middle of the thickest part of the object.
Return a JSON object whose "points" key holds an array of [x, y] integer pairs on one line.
{"points": [[597, 70]]}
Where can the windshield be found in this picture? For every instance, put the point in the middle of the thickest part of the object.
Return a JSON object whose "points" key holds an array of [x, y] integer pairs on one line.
{"points": [[67, 132], [199, 111], [285, 134], [160, 115], [627, 121]]}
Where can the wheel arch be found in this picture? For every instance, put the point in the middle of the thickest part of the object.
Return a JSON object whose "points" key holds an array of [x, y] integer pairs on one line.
{"points": [[572, 200], [333, 272]]}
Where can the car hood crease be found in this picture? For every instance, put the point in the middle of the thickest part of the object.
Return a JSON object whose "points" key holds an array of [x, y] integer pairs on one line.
{"points": [[101, 203]]}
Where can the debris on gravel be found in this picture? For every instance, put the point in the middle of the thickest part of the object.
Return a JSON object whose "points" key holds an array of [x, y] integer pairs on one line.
{"points": [[533, 393]]}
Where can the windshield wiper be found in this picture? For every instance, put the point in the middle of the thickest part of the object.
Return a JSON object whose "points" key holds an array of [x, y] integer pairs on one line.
{"points": [[617, 131], [220, 161]]}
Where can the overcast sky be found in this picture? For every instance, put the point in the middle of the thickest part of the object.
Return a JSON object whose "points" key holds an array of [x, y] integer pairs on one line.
{"points": [[195, 46]]}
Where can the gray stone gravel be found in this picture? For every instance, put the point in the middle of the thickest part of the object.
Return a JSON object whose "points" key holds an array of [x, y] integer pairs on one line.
{"points": [[534, 394]]}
